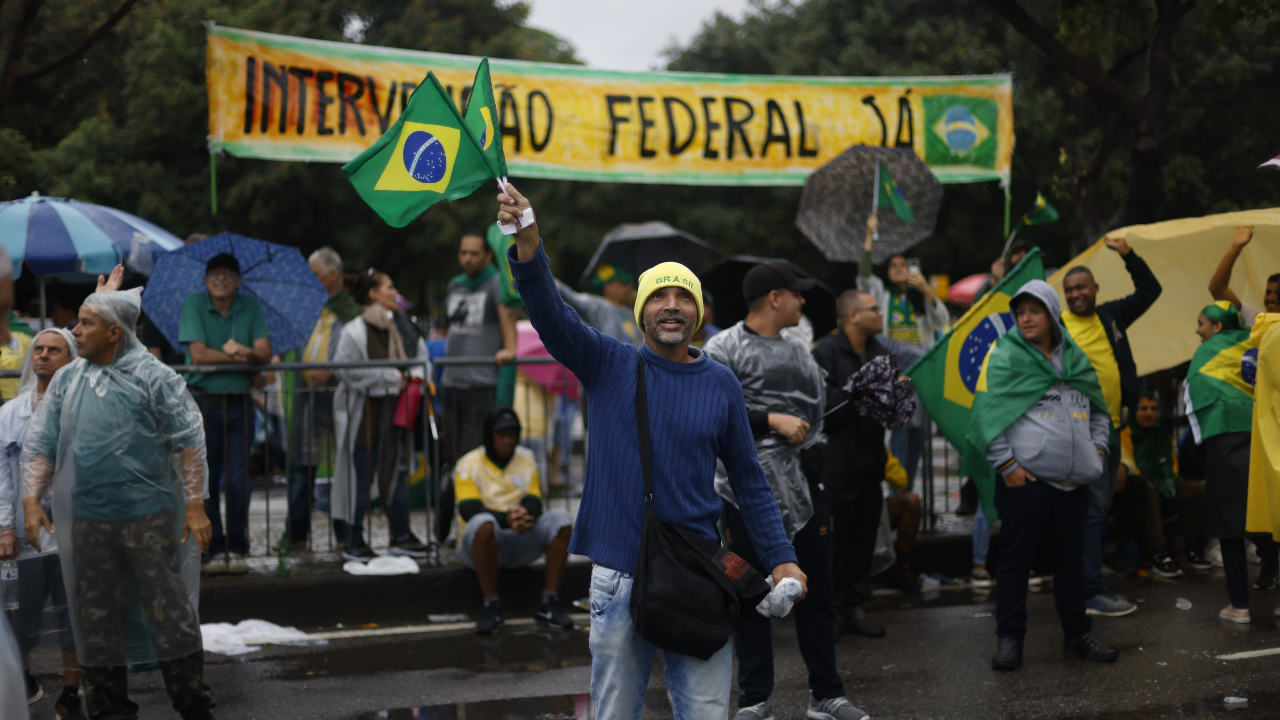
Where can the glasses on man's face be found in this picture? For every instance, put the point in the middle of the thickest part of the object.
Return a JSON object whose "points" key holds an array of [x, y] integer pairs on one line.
{"points": [[220, 274], [873, 309]]}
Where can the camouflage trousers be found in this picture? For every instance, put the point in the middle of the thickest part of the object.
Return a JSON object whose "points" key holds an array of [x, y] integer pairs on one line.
{"points": [[129, 591], [106, 689]]}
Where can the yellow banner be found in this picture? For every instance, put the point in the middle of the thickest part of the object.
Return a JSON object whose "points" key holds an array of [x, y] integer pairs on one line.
{"points": [[277, 97]]}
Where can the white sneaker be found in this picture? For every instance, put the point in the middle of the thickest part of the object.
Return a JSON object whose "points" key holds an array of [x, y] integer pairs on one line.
{"points": [[236, 565], [215, 565]]}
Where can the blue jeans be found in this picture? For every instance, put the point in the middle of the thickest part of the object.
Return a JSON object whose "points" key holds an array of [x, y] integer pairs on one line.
{"points": [[621, 661], [981, 536], [397, 508], [226, 438], [1100, 494]]}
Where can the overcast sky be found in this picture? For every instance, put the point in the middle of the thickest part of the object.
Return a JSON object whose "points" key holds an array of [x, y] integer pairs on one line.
{"points": [[626, 34]]}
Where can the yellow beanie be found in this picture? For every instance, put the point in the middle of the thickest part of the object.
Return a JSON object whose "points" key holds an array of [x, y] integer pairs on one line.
{"points": [[667, 274]]}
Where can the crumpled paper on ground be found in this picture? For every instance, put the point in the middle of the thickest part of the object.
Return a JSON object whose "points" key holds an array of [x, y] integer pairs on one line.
{"points": [[250, 635], [384, 565]]}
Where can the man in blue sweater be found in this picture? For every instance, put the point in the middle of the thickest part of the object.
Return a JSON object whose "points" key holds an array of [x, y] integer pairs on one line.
{"points": [[696, 415]]}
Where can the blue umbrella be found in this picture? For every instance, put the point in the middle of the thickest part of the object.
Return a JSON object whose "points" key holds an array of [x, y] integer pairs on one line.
{"points": [[277, 275], [56, 236]]}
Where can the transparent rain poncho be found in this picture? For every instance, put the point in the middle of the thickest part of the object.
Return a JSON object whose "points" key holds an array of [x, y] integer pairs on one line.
{"points": [[124, 446], [11, 431], [778, 375]]}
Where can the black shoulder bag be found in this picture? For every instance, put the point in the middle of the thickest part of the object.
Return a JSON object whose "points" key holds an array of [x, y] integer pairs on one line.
{"points": [[687, 590]]}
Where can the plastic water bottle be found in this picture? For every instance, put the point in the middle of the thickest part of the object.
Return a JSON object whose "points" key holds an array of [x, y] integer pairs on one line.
{"points": [[9, 583], [779, 600]]}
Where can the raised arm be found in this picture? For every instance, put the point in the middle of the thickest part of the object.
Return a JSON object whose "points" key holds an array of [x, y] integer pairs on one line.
{"points": [[579, 348], [1146, 288], [1221, 280]]}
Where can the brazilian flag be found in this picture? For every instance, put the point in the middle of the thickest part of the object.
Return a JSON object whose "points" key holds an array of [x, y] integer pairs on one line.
{"points": [[889, 195], [1220, 398], [482, 113], [946, 377], [427, 156], [1041, 213]]}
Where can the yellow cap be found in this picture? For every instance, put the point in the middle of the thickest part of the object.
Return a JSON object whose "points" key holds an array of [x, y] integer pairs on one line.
{"points": [[667, 274]]}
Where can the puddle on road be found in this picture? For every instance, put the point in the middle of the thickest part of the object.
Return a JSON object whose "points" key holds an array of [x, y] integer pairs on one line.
{"points": [[555, 707], [511, 650], [1259, 706]]}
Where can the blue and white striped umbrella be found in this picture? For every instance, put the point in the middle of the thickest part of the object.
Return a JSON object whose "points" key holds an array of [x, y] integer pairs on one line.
{"points": [[55, 236]]}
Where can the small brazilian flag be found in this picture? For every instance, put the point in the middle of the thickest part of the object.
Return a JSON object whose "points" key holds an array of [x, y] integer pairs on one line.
{"points": [[1041, 213], [482, 110], [890, 195], [429, 155]]}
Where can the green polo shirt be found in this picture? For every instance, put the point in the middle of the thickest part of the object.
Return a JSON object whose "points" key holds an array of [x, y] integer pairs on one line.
{"points": [[201, 322]]}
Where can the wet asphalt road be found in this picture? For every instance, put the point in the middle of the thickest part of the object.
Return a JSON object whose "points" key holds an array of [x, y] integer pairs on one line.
{"points": [[933, 663]]}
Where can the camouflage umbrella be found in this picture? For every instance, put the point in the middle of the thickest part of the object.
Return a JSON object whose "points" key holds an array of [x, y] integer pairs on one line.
{"points": [[837, 199]]}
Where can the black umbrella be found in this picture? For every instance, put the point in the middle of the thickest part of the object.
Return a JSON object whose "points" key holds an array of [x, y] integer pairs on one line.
{"points": [[837, 200], [640, 246], [724, 282]]}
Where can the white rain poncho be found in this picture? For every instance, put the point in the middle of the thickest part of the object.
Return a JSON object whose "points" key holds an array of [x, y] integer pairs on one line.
{"points": [[127, 447], [778, 375], [15, 415]]}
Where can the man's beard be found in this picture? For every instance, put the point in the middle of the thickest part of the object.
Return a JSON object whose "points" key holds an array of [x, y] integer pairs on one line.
{"points": [[670, 338]]}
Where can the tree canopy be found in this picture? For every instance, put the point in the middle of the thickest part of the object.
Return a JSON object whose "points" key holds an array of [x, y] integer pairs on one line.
{"points": [[125, 125]]}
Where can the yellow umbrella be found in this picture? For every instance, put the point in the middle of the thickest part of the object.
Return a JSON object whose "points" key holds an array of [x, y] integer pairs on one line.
{"points": [[1183, 255]]}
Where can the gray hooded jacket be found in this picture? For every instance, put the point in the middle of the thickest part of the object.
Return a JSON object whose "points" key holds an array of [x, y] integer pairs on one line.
{"points": [[1062, 439]]}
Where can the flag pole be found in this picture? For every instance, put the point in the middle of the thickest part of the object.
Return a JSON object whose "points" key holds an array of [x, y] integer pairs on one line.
{"points": [[875, 202]]}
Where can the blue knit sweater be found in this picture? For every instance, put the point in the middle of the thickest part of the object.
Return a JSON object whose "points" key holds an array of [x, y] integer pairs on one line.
{"points": [[696, 414]]}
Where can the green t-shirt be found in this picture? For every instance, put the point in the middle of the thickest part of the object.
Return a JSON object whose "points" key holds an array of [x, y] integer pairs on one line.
{"points": [[201, 322]]}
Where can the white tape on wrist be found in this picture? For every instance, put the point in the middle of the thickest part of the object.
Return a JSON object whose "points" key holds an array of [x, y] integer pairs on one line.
{"points": [[526, 219]]}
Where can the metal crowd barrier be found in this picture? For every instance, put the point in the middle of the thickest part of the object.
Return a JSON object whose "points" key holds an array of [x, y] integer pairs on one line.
{"points": [[275, 465]]}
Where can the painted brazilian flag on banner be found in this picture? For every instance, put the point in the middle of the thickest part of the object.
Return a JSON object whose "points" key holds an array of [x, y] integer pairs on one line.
{"points": [[946, 376], [960, 130], [482, 119], [427, 156]]}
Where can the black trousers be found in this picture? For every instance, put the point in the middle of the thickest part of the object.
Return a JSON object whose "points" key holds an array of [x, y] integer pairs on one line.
{"points": [[1235, 564], [855, 521], [815, 615], [1026, 514]]}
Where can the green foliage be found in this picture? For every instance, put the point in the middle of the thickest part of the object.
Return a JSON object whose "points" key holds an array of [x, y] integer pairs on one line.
{"points": [[127, 126]]}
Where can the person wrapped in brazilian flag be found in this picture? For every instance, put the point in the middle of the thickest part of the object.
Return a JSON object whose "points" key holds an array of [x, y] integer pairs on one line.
{"points": [[1037, 437], [1220, 410]]}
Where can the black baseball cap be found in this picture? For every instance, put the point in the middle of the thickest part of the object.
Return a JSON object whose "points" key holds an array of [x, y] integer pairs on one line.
{"points": [[773, 275], [221, 261]]}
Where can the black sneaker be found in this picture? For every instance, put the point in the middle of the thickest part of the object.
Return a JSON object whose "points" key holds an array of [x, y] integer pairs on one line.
{"points": [[1164, 566], [34, 692], [67, 706], [1197, 561], [550, 612], [1267, 579], [359, 551], [1008, 655], [1089, 647], [856, 622], [490, 619], [410, 546]]}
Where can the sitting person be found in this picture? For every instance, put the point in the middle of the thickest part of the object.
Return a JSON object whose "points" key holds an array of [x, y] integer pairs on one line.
{"points": [[499, 498], [1149, 492], [903, 507]]}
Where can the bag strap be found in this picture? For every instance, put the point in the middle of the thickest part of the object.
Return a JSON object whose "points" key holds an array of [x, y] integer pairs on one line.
{"points": [[642, 429]]}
